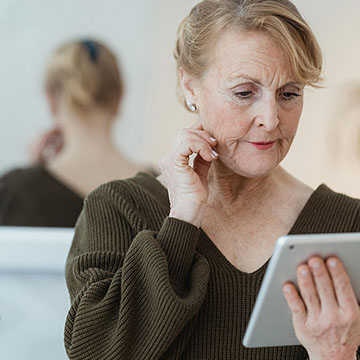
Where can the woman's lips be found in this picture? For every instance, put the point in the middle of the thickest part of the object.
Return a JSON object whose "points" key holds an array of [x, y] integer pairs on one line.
{"points": [[262, 145]]}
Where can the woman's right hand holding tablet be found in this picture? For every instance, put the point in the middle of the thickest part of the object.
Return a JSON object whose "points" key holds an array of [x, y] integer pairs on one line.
{"points": [[325, 311], [188, 186]]}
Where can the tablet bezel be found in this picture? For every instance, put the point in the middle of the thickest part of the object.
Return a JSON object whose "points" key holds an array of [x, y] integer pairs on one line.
{"points": [[270, 322]]}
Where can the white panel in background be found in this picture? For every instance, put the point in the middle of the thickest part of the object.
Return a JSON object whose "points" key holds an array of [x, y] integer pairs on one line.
{"points": [[33, 297]]}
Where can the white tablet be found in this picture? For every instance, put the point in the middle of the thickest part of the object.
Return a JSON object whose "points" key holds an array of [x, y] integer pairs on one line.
{"points": [[270, 322]]}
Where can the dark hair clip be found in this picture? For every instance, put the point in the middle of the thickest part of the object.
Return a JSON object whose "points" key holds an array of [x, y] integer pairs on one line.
{"points": [[92, 49]]}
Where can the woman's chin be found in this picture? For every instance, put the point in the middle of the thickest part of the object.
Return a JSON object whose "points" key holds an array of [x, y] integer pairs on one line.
{"points": [[252, 169]]}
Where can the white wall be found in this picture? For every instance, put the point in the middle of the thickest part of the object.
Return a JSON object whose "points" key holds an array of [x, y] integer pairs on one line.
{"points": [[319, 153], [143, 34]]}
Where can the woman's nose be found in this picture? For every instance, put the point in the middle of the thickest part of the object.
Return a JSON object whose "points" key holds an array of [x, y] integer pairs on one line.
{"points": [[267, 115]]}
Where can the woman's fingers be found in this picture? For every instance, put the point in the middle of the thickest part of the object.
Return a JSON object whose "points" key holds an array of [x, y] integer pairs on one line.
{"points": [[308, 289], [47, 146], [204, 135], [295, 303], [342, 286], [186, 180], [201, 167], [323, 283], [198, 129], [199, 147], [327, 315], [194, 141]]}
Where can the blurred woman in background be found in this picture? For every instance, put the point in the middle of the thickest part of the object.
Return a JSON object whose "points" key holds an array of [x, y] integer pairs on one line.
{"points": [[84, 89]]}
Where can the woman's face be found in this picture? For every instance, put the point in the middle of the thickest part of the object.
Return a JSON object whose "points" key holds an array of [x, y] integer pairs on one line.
{"points": [[249, 101]]}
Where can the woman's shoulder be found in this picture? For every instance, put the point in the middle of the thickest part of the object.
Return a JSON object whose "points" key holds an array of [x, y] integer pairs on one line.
{"points": [[143, 184], [36, 182], [326, 194], [18, 196], [139, 197], [23, 183], [329, 211], [22, 176]]}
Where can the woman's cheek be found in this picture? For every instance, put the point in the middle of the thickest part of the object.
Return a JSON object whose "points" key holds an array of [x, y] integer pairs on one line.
{"points": [[224, 117], [213, 121], [289, 127]]}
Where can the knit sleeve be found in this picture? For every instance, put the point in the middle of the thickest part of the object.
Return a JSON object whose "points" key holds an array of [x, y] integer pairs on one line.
{"points": [[135, 293]]}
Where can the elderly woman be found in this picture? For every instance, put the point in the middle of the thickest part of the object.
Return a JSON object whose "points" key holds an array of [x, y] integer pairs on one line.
{"points": [[169, 267]]}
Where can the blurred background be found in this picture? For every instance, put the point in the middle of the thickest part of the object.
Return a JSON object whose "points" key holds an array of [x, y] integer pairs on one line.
{"points": [[142, 33]]}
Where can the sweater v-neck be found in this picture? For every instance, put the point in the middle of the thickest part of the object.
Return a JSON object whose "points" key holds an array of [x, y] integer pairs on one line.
{"points": [[307, 211], [207, 247]]}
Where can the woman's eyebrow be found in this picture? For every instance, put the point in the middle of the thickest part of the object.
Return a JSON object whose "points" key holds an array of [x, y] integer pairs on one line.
{"points": [[243, 78], [234, 80], [298, 86]]}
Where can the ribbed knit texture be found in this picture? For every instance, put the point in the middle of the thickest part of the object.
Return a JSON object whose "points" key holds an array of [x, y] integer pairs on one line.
{"points": [[146, 286]]}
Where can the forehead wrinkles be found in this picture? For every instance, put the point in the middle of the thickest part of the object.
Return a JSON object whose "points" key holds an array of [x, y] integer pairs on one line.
{"points": [[253, 55]]}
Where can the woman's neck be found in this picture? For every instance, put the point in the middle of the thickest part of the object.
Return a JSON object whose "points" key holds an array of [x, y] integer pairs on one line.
{"points": [[90, 145], [229, 189], [88, 156], [84, 134]]}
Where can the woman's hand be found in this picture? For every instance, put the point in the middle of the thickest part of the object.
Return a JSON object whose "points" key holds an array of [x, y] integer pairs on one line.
{"points": [[326, 317], [47, 146], [188, 186]]}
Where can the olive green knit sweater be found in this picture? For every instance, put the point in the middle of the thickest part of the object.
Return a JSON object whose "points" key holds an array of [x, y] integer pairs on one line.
{"points": [[146, 286]]}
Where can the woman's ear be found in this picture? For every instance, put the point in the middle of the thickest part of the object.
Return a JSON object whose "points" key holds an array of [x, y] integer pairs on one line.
{"points": [[188, 85]]}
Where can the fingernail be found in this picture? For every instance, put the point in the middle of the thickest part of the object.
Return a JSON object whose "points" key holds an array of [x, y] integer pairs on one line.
{"points": [[212, 139], [315, 265], [304, 271], [215, 153], [287, 289], [332, 263], [213, 156]]}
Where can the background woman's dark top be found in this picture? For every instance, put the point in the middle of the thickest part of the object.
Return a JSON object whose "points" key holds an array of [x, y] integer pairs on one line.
{"points": [[33, 197]]}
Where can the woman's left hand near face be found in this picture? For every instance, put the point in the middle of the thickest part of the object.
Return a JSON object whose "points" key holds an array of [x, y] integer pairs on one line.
{"points": [[326, 315], [47, 146]]}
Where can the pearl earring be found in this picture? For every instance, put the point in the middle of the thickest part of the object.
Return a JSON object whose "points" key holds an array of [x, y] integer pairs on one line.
{"points": [[192, 107]]}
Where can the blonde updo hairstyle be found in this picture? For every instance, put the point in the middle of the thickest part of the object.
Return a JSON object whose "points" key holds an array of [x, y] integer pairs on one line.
{"points": [[199, 31], [86, 75]]}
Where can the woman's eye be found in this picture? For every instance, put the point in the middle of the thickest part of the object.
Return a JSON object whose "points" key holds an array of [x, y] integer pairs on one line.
{"points": [[289, 95], [243, 94]]}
